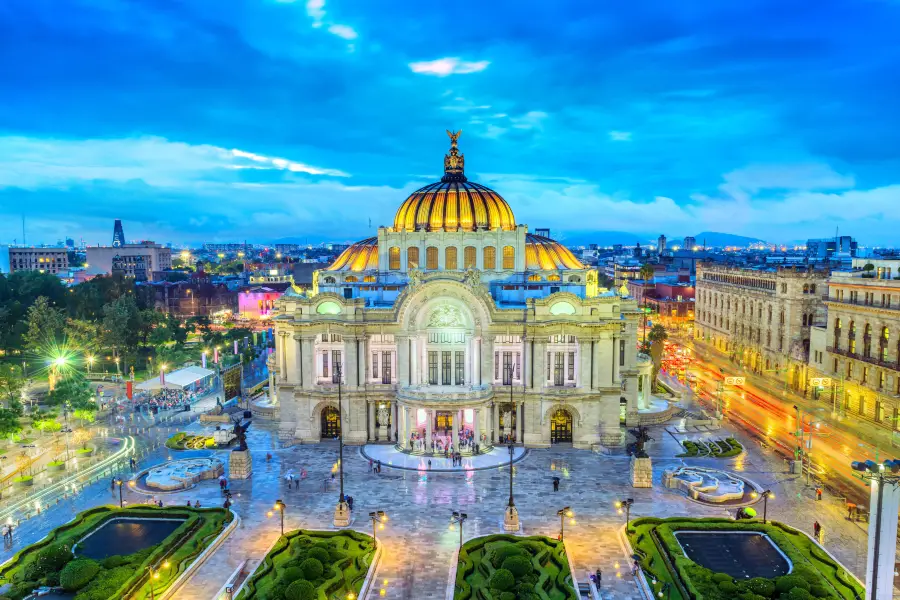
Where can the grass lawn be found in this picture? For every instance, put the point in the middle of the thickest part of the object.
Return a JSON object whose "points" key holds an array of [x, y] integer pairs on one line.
{"points": [[317, 564], [184, 441], [726, 448], [507, 567], [50, 561], [664, 560]]}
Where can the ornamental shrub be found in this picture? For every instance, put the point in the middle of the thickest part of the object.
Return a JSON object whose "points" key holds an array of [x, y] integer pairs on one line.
{"points": [[518, 565], [798, 593], [808, 573], [786, 583], [300, 590], [111, 562], [507, 596], [819, 591], [291, 574], [53, 558], [751, 596], [501, 580], [78, 573], [320, 554], [336, 555], [728, 587], [503, 551], [759, 586], [720, 577], [313, 569]]}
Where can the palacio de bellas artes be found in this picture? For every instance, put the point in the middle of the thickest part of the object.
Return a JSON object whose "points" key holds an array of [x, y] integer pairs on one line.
{"points": [[456, 328]]}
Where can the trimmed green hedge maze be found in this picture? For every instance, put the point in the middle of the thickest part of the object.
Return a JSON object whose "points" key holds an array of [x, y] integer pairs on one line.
{"points": [[508, 567], [51, 561], [814, 575], [184, 441], [312, 565]]}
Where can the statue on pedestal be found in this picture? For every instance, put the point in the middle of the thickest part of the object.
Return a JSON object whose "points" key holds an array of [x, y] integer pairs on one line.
{"points": [[240, 433]]}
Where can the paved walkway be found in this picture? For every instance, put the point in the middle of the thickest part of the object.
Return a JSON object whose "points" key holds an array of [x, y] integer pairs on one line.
{"points": [[390, 457], [419, 543]]}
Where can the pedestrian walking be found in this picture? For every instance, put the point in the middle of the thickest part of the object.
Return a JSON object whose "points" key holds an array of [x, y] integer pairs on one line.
{"points": [[634, 569], [297, 483], [556, 484], [818, 493], [816, 527], [429, 464], [371, 463], [350, 502]]}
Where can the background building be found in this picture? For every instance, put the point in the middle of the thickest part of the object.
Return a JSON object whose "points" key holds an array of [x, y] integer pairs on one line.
{"points": [[118, 234], [690, 242], [45, 260], [760, 317], [147, 257]]}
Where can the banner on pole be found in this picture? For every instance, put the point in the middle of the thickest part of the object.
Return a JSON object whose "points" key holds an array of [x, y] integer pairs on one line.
{"points": [[129, 390]]}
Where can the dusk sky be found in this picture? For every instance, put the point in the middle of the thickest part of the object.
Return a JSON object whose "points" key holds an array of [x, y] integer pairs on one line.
{"points": [[225, 120]]}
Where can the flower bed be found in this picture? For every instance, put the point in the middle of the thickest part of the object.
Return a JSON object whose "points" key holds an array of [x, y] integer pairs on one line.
{"points": [[184, 441], [726, 448], [663, 561], [51, 562], [506, 567], [309, 565]]}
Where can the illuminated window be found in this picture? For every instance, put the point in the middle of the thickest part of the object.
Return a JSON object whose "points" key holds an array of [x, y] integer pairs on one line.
{"points": [[450, 258], [369, 279], [490, 258], [351, 279], [549, 277], [431, 258], [412, 258], [509, 257], [394, 258], [469, 260], [534, 278]]}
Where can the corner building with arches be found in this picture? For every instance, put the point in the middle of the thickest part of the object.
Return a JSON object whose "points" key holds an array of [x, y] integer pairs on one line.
{"points": [[456, 326]]}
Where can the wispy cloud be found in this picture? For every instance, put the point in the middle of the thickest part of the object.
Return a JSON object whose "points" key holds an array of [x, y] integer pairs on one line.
{"points": [[443, 67], [620, 136], [343, 31], [316, 11]]}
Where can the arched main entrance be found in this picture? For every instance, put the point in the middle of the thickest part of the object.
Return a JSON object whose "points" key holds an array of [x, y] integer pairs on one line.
{"points": [[331, 423], [561, 427]]}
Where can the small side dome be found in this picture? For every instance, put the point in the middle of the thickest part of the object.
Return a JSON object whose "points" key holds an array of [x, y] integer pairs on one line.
{"points": [[544, 254], [361, 256]]}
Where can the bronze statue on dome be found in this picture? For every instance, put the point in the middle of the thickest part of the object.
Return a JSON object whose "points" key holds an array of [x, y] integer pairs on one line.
{"points": [[454, 163]]}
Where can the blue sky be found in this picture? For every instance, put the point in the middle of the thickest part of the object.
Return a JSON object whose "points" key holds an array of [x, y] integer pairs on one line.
{"points": [[262, 119]]}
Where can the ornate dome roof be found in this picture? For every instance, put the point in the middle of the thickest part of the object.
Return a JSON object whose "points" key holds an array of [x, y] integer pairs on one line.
{"points": [[361, 256], [542, 253], [454, 202]]}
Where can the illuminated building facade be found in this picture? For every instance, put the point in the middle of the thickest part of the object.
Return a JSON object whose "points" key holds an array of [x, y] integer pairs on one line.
{"points": [[456, 323]]}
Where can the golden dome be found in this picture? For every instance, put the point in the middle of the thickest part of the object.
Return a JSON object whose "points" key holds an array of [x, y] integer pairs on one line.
{"points": [[454, 202], [544, 254], [361, 256]]}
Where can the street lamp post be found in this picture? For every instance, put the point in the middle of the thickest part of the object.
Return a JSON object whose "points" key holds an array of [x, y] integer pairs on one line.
{"points": [[154, 574], [563, 513], [378, 517], [121, 501], [625, 506], [280, 506], [879, 573], [511, 514], [342, 511], [766, 495], [458, 518]]}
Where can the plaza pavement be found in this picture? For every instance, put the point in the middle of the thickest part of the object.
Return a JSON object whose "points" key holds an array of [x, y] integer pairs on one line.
{"points": [[419, 545]]}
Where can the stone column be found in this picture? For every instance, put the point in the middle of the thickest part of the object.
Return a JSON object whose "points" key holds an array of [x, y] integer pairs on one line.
{"points": [[429, 424], [487, 359], [495, 423], [395, 421], [403, 359], [526, 364], [520, 415], [455, 430], [583, 365], [296, 342], [414, 361], [476, 427], [372, 427]]}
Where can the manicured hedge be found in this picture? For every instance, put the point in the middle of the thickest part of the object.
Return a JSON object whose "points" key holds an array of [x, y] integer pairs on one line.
{"points": [[332, 563], [497, 567], [664, 560], [726, 448], [184, 441], [41, 563]]}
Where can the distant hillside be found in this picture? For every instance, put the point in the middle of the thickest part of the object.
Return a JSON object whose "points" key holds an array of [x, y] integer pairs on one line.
{"points": [[715, 238]]}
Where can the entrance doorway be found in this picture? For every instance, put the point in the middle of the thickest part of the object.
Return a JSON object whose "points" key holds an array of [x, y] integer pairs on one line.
{"points": [[331, 423], [561, 427], [444, 423]]}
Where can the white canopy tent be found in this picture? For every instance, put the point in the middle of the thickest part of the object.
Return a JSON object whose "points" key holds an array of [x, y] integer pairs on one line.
{"points": [[178, 380]]}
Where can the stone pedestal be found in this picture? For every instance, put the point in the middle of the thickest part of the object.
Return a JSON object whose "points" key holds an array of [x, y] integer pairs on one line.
{"points": [[511, 519], [641, 472], [342, 515], [240, 465]]}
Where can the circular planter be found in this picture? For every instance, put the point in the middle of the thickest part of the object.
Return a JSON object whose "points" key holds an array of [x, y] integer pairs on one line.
{"points": [[23, 482], [85, 452], [56, 466]]}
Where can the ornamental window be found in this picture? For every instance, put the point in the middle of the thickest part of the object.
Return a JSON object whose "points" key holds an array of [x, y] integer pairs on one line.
{"points": [[431, 258], [450, 258], [509, 258], [412, 258], [469, 258], [394, 258], [490, 258]]}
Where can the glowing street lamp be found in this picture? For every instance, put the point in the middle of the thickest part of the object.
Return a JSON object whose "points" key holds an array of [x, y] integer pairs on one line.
{"points": [[766, 495], [378, 518], [564, 513], [280, 506], [90, 362], [460, 518], [625, 506]]}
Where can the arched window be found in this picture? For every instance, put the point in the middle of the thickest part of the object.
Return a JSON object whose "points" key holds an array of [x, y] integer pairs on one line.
{"points": [[329, 280], [469, 257], [837, 334], [883, 343], [553, 277], [431, 258], [394, 258], [412, 258], [490, 258], [450, 258], [574, 279], [350, 279], [509, 258], [369, 279], [534, 278], [805, 288], [867, 340]]}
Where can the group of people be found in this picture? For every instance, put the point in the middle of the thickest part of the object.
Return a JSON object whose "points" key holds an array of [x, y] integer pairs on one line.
{"points": [[8, 534], [374, 467], [196, 504], [457, 459], [444, 443], [292, 480]]}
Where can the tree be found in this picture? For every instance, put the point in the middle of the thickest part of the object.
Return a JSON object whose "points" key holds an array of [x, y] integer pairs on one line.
{"points": [[647, 272], [657, 338], [11, 386], [83, 335], [44, 420], [73, 391], [45, 325], [121, 325], [87, 413], [9, 423], [179, 332]]}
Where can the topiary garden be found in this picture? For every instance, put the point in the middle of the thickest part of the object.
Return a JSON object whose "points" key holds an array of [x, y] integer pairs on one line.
{"points": [[506, 567], [814, 573], [727, 448], [52, 562], [309, 565], [184, 441]]}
